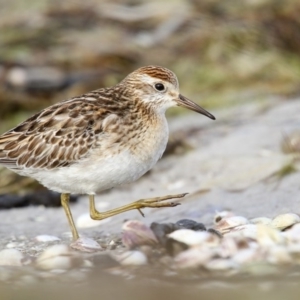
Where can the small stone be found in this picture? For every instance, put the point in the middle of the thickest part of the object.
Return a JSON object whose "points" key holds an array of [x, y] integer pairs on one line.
{"points": [[44, 238], [285, 220], [11, 257]]}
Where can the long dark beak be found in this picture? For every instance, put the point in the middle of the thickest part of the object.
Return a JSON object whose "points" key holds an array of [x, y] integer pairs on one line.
{"points": [[185, 102]]}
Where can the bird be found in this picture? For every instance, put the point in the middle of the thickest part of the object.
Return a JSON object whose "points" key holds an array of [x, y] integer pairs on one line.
{"points": [[99, 140]]}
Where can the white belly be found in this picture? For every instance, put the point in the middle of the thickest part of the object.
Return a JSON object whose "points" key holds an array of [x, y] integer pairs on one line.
{"points": [[97, 173]]}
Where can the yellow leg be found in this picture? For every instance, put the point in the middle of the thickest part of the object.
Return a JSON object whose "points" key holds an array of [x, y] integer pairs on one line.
{"points": [[64, 199], [152, 202]]}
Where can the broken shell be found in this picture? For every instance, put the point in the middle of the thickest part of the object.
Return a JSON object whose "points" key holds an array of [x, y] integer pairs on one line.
{"points": [[285, 220], [248, 231], [193, 258], [131, 258], [11, 257], [194, 238], [220, 215], [261, 220], [58, 257], [135, 233], [226, 224], [86, 244]]}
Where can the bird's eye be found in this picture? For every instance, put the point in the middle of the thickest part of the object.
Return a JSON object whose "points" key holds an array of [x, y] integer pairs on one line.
{"points": [[160, 87]]}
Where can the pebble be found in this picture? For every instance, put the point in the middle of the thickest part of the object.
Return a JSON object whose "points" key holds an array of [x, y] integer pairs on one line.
{"points": [[11, 257], [58, 257]]}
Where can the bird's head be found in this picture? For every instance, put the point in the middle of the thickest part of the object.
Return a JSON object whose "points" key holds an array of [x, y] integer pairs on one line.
{"points": [[158, 88]]}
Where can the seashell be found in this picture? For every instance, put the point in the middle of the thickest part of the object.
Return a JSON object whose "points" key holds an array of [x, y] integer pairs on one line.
{"points": [[11, 257], [246, 256], [193, 257], [221, 264], [85, 221], [220, 215], [268, 236], [58, 257], [226, 224], [292, 235], [285, 220], [86, 244], [248, 231], [261, 220], [279, 255], [44, 238], [131, 258], [135, 233], [194, 238], [228, 247]]}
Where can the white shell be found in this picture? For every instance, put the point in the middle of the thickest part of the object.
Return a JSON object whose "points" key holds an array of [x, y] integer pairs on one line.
{"points": [[193, 257], [226, 224], [11, 257], [131, 258], [279, 255], [248, 231], [268, 236], [58, 257], [250, 255], [194, 238], [292, 235], [285, 220]]}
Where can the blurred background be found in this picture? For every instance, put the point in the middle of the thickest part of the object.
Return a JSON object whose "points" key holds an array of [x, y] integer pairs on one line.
{"points": [[224, 53]]}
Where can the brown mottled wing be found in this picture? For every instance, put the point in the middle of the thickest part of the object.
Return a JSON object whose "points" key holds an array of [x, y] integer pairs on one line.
{"points": [[56, 137]]}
